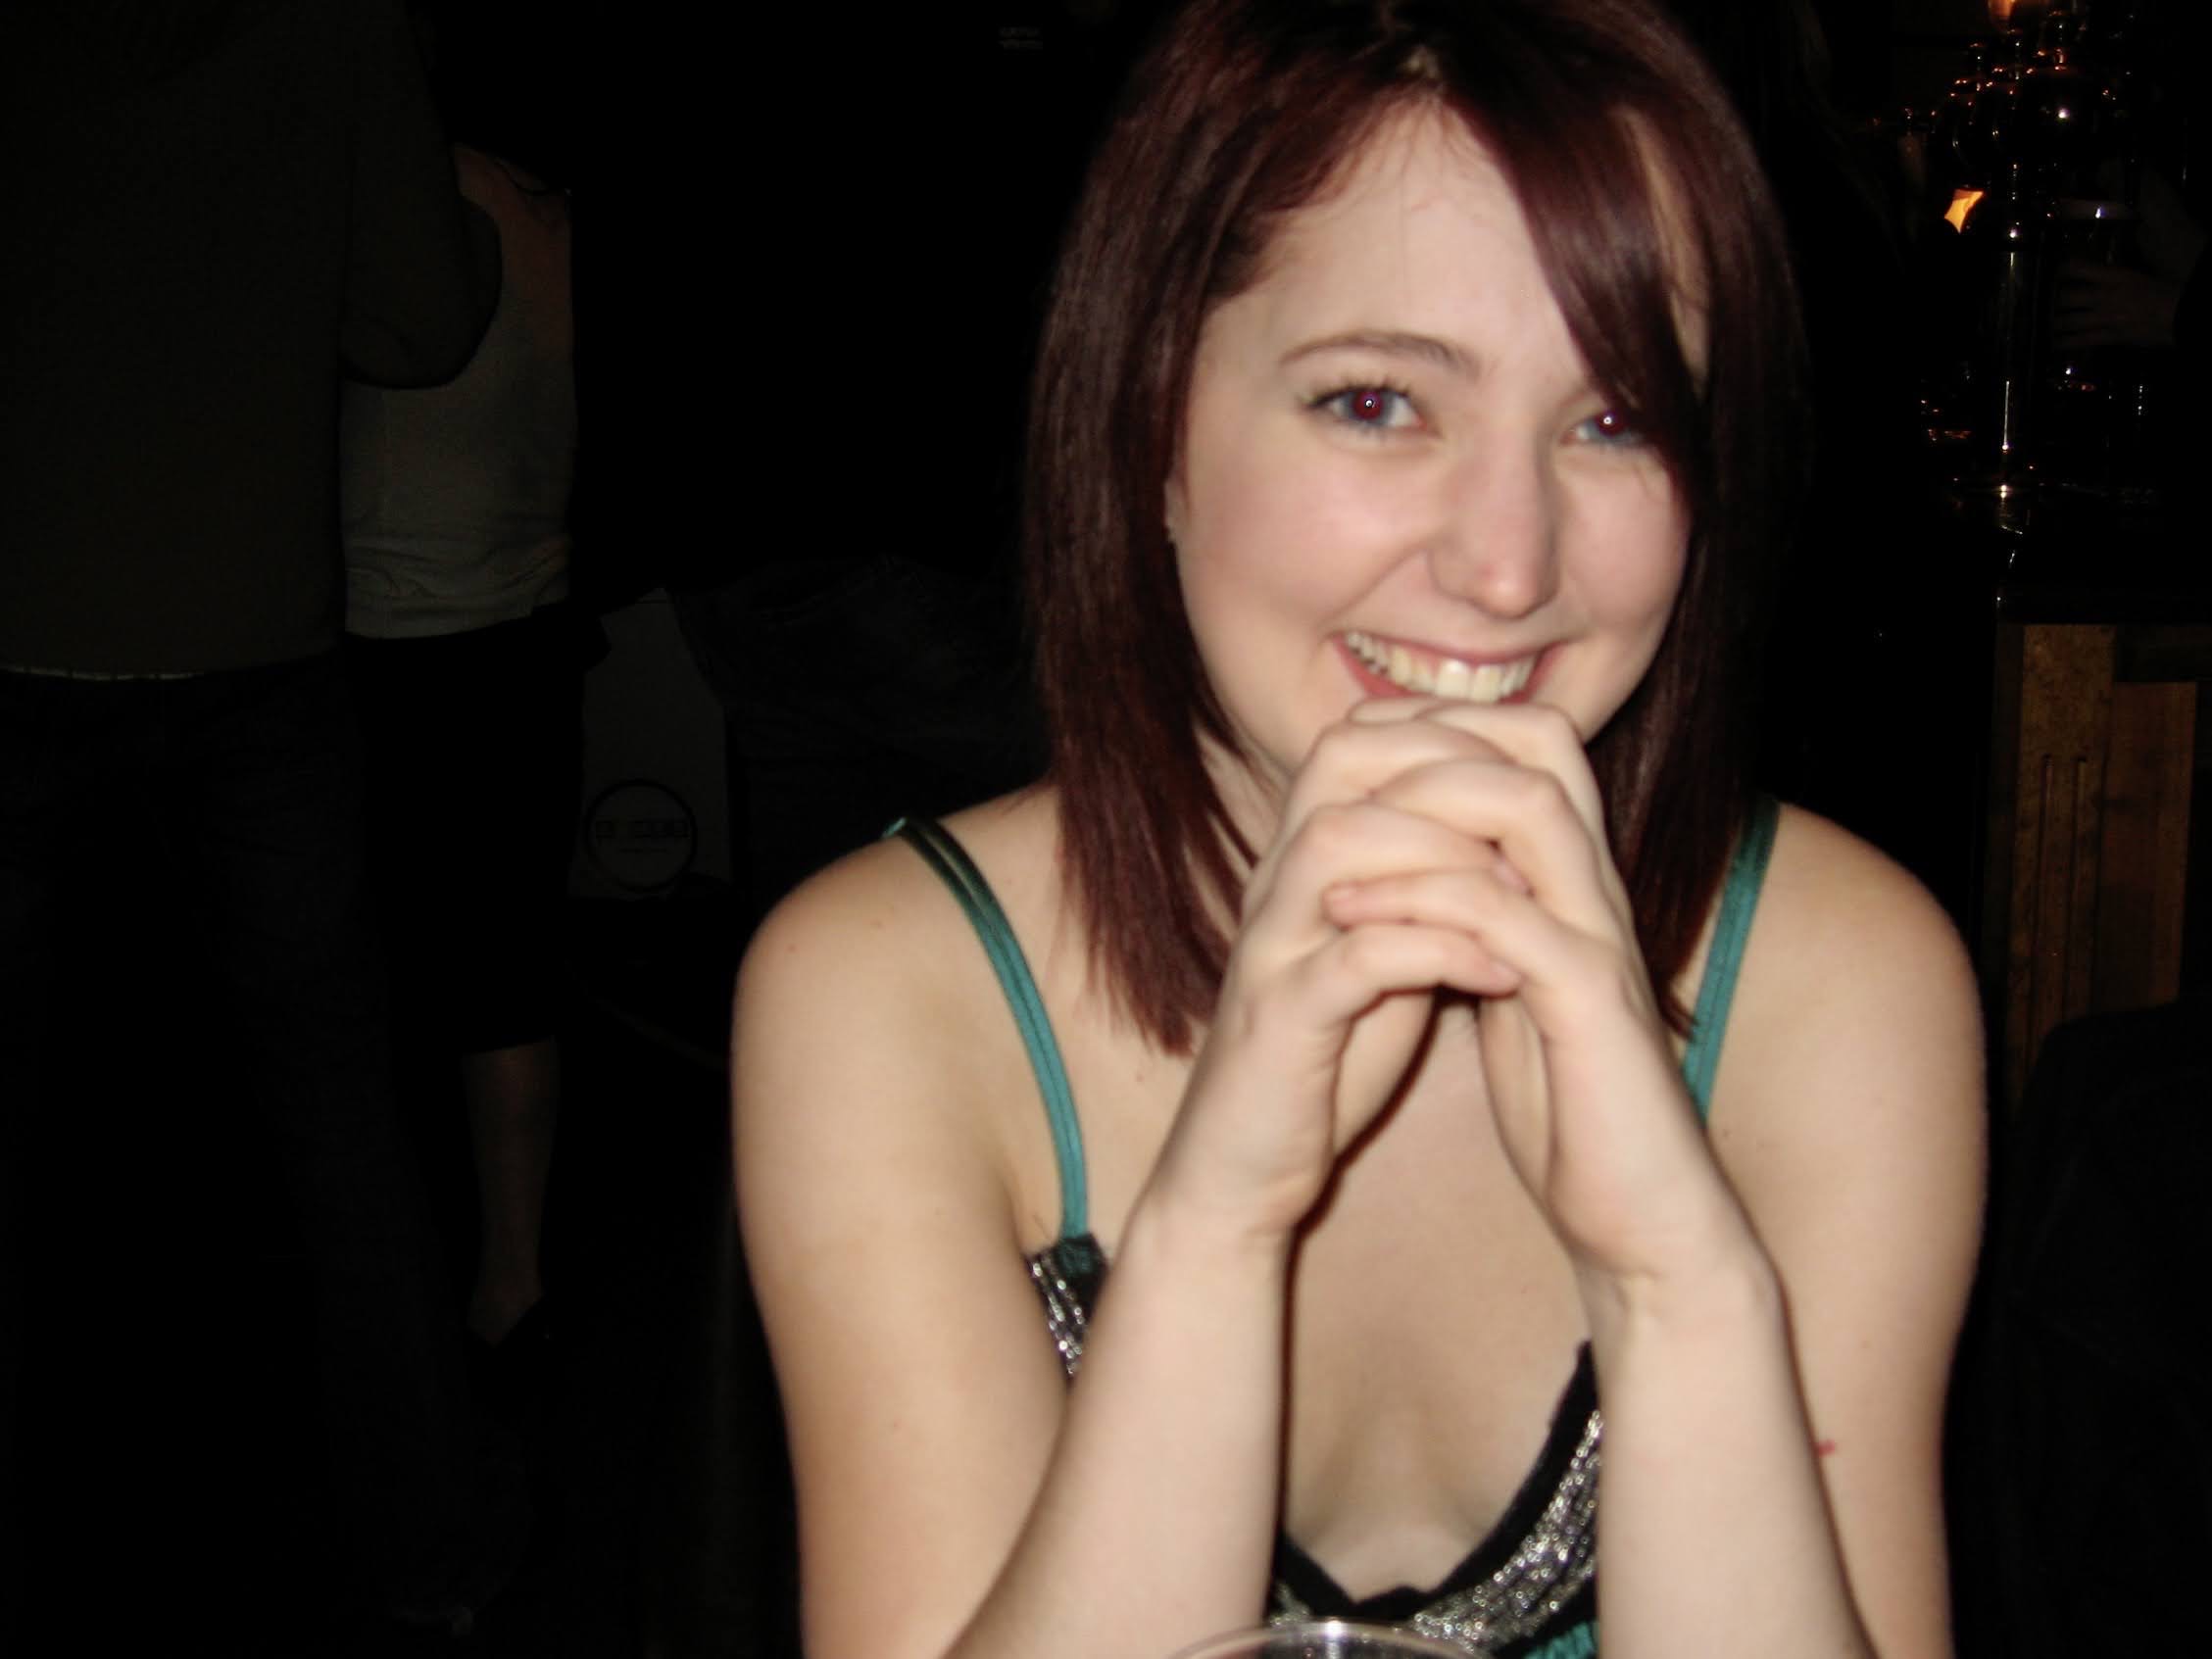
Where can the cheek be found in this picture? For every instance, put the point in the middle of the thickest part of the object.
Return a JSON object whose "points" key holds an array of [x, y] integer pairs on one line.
{"points": [[1650, 586], [1634, 570], [1286, 527], [1231, 533]]}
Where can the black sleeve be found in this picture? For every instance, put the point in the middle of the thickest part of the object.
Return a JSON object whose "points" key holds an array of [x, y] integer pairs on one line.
{"points": [[421, 264]]}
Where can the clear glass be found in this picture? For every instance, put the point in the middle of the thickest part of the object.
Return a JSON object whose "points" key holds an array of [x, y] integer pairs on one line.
{"points": [[1323, 1639]]}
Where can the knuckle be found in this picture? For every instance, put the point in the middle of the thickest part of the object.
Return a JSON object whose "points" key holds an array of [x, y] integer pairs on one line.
{"points": [[1330, 831], [1554, 725], [1330, 747], [1540, 792], [1364, 952]]}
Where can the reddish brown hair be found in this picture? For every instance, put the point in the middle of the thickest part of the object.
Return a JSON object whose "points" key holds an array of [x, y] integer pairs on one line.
{"points": [[1635, 180]]}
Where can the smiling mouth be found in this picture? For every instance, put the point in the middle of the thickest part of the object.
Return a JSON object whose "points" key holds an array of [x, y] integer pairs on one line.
{"points": [[1426, 675]]}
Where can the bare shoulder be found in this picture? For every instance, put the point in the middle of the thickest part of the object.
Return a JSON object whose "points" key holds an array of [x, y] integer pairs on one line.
{"points": [[1849, 1116], [860, 993], [875, 1071], [871, 1066], [1853, 982], [850, 934], [1851, 958], [877, 927], [1848, 1110]]}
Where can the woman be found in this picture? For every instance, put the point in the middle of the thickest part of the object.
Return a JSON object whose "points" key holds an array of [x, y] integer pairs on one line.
{"points": [[468, 668], [1414, 413]]}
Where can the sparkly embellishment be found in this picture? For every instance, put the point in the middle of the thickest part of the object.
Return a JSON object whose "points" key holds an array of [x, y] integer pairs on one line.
{"points": [[1546, 1571], [1542, 1575], [1068, 1274], [1284, 1606]]}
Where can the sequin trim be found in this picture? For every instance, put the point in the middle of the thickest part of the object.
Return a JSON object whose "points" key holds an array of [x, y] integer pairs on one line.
{"points": [[1068, 1274], [1542, 1576], [1546, 1571]]}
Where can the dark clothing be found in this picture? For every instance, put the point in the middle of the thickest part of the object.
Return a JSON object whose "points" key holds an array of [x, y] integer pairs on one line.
{"points": [[2193, 316], [250, 785], [2080, 1443], [201, 222], [474, 751], [210, 205]]}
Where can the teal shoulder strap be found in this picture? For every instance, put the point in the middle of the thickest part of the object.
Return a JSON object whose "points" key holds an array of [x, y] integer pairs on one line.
{"points": [[1738, 899], [942, 853]]}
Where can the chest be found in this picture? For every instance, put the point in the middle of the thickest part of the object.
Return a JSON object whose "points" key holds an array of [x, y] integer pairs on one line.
{"points": [[1433, 1319], [1434, 1323]]}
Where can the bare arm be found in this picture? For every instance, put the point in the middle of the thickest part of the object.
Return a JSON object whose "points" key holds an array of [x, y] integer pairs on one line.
{"points": [[1781, 1419], [1801, 1290], [956, 1496], [1850, 1117]]}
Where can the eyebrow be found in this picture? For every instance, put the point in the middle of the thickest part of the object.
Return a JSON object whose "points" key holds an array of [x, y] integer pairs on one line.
{"points": [[1391, 342]]}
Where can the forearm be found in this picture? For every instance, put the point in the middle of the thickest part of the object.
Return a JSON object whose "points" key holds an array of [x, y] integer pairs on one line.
{"points": [[1162, 1489], [1714, 1529]]}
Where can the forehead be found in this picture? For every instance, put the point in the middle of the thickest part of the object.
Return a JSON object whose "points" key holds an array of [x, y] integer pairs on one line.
{"points": [[1419, 174], [1423, 216], [1419, 229]]}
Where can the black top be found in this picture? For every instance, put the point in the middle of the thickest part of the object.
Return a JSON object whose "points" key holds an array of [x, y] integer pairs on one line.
{"points": [[210, 206]]}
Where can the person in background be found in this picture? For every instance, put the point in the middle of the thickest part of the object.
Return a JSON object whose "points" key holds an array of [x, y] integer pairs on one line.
{"points": [[468, 668], [1394, 1125], [213, 206]]}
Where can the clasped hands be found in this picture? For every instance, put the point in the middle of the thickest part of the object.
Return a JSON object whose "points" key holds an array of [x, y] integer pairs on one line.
{"points": [[1429, 852]]}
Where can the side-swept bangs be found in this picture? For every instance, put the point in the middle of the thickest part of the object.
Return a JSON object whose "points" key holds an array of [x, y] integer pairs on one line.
{"points": [[1653, 225]]}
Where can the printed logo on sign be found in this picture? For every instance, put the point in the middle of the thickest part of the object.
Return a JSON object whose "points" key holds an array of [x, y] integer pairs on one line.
{"points": [[640, 834]]}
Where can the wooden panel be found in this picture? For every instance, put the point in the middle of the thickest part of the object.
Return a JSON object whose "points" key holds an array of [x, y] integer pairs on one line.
{"points": [[2065, 720], [2088, 825], [2164, 651], [1992, 944], [2144, 854]]}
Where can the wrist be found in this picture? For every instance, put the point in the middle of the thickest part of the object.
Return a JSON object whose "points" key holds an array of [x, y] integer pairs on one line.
{"points": [[1727, 1284], [1195, 1237]]}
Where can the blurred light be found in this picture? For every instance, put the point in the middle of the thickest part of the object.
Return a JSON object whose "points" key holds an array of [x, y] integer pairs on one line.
{"points": [[1962, 203]]}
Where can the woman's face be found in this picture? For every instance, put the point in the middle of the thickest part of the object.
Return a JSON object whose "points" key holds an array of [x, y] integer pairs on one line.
{"points": [[1396, 475]]}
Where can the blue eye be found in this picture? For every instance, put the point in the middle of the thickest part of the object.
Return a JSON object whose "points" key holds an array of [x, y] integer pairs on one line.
{"points": [[1613, 429], [1376, 409]]}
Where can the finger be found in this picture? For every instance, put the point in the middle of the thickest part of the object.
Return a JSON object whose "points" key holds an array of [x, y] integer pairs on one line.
{"points": [[1451, 899], [1345, 841], [1529, 817], [1532, 734], [1568, 977], [1349, 761], [1305, 1020], [1369, 961]]}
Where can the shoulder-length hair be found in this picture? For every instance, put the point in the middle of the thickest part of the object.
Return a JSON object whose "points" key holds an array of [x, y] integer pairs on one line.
{"points": [[1641, 194]]}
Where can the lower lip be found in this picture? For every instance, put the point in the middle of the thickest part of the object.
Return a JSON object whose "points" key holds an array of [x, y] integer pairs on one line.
{"points": [[1374, 685]]}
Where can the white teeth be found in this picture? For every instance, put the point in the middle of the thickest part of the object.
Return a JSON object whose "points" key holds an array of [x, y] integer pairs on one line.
{"points": [[1488, 682], [1405, 672]]}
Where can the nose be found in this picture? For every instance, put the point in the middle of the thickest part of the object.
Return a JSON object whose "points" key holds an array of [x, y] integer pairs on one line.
{"points": [[1496, 544]]}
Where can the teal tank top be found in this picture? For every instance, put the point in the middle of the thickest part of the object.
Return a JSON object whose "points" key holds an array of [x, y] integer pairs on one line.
{"points": [[1529, 1590]]}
